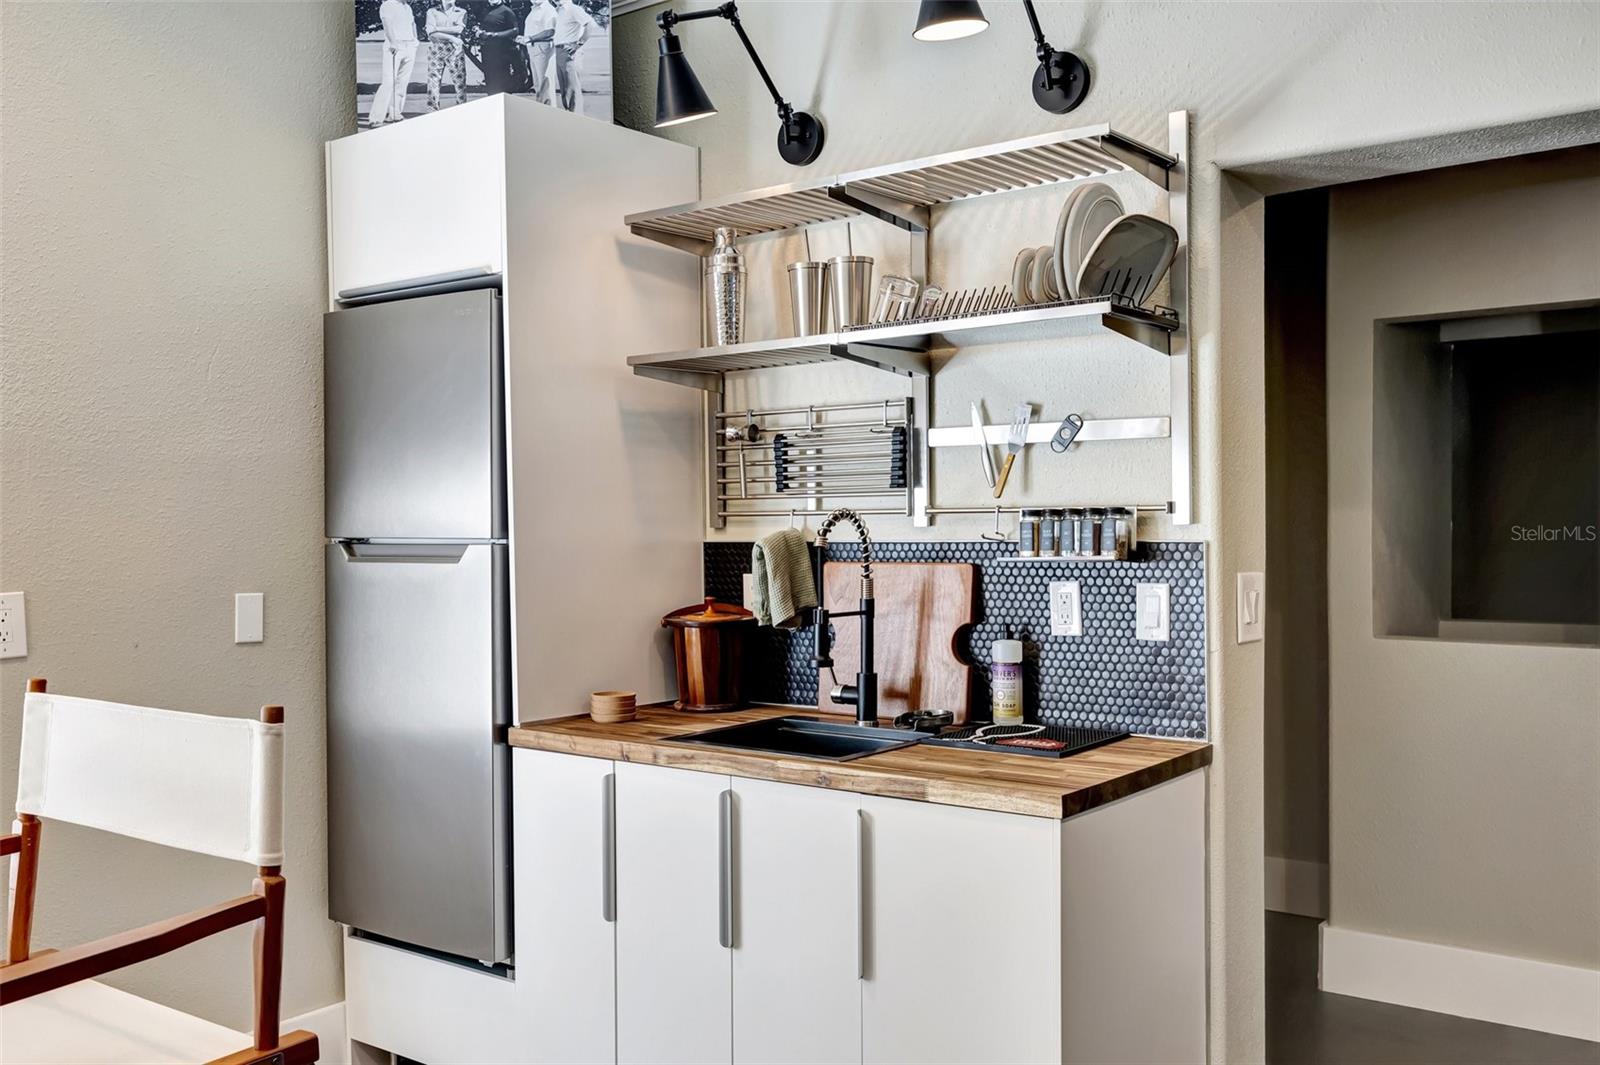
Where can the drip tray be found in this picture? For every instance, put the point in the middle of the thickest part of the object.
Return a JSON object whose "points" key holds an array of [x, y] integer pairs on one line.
{"points": [[1071, 740]]}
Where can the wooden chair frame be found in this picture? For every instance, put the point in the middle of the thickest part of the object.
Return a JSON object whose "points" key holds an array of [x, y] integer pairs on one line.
{"points": [[23, 975]]}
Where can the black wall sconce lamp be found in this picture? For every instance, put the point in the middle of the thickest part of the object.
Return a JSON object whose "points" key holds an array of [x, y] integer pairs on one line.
{"points": [[680, 97], [1062, 79]]}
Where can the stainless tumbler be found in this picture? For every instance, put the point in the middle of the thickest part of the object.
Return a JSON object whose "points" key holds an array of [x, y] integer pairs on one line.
{"points": [[808, 296], [850, 289]]}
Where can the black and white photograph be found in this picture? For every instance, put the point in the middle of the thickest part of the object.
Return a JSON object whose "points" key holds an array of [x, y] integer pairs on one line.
{"points": [[417, 56]]}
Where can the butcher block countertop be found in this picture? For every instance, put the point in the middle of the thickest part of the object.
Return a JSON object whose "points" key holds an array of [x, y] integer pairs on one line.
{"points": [[1014, 784]]}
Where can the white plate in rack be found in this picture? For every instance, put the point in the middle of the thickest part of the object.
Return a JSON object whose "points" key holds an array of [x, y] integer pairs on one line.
{"points": [[1088, 212]]}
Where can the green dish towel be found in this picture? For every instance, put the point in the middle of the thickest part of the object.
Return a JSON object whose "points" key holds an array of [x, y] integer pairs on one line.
{"points": [[784, 587]]}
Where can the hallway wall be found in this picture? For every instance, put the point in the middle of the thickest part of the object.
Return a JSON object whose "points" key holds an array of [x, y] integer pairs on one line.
{"points": [[1465, 787]]}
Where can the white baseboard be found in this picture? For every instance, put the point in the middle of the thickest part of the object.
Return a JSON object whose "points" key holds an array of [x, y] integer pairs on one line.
{"points": [[1294, 886], [1543, 996], [327, 1023]]}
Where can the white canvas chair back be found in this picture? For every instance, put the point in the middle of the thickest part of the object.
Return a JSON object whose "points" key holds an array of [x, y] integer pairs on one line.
{"points": [[213, 785]]}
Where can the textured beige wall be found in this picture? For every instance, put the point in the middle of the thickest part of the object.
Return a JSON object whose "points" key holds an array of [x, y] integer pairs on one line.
{"points": [[1266, 83], [162, 280], [1464, 803]]}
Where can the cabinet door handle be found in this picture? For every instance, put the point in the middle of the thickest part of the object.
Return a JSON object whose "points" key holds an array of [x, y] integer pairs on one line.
{"points": [[725, 870], [608, 847], [861, 894]]}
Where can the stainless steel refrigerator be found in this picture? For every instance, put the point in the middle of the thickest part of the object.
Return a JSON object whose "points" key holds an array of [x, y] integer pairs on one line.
{"points": [[418, 624]]}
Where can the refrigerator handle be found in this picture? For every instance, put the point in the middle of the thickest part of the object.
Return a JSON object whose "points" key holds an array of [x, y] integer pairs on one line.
{"points": [[359, 551]]}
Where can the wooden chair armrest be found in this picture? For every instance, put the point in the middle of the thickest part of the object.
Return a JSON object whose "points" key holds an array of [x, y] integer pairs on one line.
{"points": [[295, 1048], [35, 976], [10, 844]]}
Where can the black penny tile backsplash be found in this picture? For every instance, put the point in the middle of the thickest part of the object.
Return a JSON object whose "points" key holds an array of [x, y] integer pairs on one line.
{"points": [[1106, 678]]}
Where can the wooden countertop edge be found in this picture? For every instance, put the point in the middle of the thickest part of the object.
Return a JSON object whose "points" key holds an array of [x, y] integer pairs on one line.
{"points": [[1002, 796]]}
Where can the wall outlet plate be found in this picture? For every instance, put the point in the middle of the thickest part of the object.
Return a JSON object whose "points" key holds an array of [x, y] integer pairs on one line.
{"points": [[1152, 611], [13, 625], [1252, 607], [248, 620], [1066, 608]]}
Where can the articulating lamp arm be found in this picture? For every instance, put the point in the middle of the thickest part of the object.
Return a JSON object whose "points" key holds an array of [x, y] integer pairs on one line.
{"points": [[730, 11]]}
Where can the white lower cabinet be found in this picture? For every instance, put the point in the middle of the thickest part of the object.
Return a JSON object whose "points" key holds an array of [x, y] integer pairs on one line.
{"points": [[674, 964], [565, 930], [758, 922], [964, 934], [797, 950]]}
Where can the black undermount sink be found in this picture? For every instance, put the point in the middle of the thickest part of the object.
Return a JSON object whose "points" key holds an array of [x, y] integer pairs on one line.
{"points": [[805, 737]]}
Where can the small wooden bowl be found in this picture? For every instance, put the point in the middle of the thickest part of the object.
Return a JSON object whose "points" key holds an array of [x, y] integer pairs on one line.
{"points": [[611, 708]]}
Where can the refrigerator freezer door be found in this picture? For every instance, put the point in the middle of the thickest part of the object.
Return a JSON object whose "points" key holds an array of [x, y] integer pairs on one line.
{"points": [[414, 436], [418, 770]]}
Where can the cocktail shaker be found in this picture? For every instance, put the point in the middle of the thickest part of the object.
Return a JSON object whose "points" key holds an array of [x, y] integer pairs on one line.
{"points": [[725, 285], [808, 296], [850, 289]]}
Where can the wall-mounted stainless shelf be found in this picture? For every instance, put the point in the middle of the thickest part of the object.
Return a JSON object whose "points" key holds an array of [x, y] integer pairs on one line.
{"points": [[903, 193], [902, 348]]}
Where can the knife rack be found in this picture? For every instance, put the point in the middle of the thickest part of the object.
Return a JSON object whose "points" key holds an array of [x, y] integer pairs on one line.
{"points": [[811, 458]]}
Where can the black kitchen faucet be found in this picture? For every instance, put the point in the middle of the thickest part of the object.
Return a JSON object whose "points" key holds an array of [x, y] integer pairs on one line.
{"points": [[863, 694]]}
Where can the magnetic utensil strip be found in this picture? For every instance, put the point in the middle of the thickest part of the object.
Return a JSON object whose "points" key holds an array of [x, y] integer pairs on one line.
{"points": [[1041, 432]]}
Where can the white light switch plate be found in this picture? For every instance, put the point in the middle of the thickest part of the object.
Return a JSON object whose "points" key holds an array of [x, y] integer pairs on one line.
{"points": [[1152, 611], [13, 625], [248, 608], [1252, 606], [749, 591], [1066, 609]]}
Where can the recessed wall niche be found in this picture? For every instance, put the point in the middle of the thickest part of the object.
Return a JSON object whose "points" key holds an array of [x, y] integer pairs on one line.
{"points": [[1486, 476]]}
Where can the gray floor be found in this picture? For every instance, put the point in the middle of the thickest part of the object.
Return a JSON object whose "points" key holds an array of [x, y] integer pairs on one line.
{"points": [[1306, 1026]]}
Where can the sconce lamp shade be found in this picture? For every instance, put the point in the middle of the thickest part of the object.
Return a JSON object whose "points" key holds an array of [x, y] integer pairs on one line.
{"points": [[949, 20], [679, 97]]}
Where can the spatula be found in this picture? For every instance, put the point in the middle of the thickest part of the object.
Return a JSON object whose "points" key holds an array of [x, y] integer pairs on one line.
{"points": [[1016, 439]]}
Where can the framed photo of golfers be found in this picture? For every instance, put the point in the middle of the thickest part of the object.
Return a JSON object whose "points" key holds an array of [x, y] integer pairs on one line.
{"points": [[416, 56]]}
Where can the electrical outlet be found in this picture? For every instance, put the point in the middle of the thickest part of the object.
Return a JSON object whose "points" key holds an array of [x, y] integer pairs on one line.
{"points": [[1252, 606], [13, 625], [248, 620], [1066, 609], [749, 590], [1153, 611]]}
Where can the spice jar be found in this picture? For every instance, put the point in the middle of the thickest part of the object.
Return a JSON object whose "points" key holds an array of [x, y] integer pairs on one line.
{"points": [[1050, 534], [1122, 520], [1072, 531], [1095, 528], [1028, 532]]}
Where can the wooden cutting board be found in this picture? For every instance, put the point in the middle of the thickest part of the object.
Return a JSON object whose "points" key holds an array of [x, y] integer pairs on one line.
{"points": [[921, 609]]}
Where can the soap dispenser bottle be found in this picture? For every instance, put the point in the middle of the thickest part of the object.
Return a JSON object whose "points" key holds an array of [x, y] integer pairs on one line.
{"points": [[1005, 682]]}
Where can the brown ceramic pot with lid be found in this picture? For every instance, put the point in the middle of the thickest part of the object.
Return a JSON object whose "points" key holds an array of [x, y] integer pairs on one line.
{"points": [[708, 639]]}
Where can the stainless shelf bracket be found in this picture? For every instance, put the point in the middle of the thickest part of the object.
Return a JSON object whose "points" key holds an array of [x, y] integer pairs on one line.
{"points": [[706, 382], [694, 246], [907, 362], [911, 218]]}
